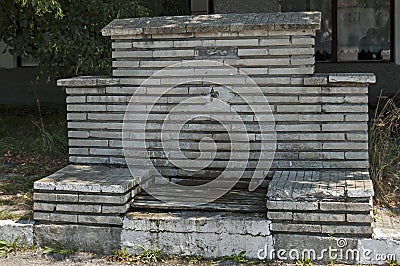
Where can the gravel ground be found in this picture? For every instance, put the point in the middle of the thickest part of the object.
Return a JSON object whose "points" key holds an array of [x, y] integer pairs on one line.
{"points": [[36, 258]]}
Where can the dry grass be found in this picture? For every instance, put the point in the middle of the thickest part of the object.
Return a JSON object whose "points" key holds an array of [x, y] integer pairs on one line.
{"points": [[384, 151], [33, 144]]}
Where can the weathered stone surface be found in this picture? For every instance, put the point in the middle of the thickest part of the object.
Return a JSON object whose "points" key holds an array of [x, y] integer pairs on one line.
{"points": [[11, 230], [352, 78], [213, 23], [202, 222], [93, 179], [102, 240], [198, 233], [378, 252], [295, 246], [306, 185], [81, 82]]}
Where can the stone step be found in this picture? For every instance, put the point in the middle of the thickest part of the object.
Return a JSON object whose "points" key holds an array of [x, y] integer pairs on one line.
{"points": [[207, 234]]}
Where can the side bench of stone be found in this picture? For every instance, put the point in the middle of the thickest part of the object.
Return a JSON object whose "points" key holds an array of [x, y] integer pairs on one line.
{"points": [[84, 194], [321, 203]]}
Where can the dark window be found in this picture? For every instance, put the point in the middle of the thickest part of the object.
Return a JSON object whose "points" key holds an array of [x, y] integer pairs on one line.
{"points": [[363, 30], [351, 30], [323, 40]]}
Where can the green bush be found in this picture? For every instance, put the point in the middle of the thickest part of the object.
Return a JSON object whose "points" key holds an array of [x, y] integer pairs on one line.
{"points": [[64, 35]]}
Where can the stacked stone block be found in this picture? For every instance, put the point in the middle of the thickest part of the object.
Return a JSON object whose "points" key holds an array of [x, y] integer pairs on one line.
{"points": [[83, 194], [335, 203], [216, 234], [320, 186], [321, 122]]}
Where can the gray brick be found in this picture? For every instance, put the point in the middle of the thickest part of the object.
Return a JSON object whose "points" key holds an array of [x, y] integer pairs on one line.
{"points": [[89, 160], [76, 116], [319, 217], [42, 216], [253, 52], [44, 196], [280, 215], [345, 108], [335, 127], [291, 51], [58, 217], [85, 108], [78, 134], [40, 206], [359, 218], [87, 90], [343, 229], [76, 99], [303, 40], [79, 151], [299, 61], [67, 197], [303, 32], [286, 227], [274, 41], [97, 219], [292, 205], [237, 42], [298, 108], [104, 198], [291, 71], [345, 206], [88, 143], [316, 81], [116, 209], [173, 53], [79, 208]]}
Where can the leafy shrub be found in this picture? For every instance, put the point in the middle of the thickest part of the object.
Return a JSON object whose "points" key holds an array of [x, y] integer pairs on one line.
{"points": [[64, 35]]}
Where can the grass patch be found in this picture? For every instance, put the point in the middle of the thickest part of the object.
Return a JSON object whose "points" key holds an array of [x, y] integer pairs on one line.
{"points": [[148, 256], [32, 142], [60, 250], [239, 258], [11, 247], [4, 215], [384, 152]]}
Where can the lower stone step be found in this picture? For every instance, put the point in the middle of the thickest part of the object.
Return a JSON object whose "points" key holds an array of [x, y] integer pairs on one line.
{"points": [[207, 234]]}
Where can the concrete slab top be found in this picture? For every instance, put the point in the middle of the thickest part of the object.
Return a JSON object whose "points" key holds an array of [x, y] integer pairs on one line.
{"points": [[214, 23], [91, 179], [329, 78], [303, 185]]}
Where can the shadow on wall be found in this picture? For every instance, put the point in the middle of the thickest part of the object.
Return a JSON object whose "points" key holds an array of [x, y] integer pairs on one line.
{"points": [[18, 88], [387, 76]]}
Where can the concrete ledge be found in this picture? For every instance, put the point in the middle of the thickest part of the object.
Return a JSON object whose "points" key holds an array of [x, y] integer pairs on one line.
{"points": [[214, 23], [101, 240], [332, 78], [87, 81], [308, 185], [85, 194], [11, 230]]}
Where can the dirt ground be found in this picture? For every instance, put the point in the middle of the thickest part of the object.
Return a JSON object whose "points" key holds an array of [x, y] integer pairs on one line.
{"points": [[37, 258]]}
